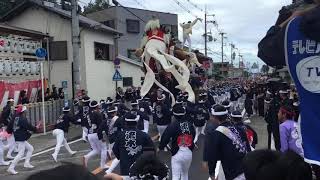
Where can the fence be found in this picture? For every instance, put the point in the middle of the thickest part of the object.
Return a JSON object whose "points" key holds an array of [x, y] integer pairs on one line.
{"points": [[53, 109]]}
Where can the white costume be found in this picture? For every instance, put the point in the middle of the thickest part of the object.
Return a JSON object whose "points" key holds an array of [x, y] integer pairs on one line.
{"points": [[155, 43], [2, 137], [59, 134], [187, 30]]}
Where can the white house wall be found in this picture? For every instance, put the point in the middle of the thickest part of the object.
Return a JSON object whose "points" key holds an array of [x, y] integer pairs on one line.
{"points": [[98, 73], [131, 70], [96, 76], [57, 27]]}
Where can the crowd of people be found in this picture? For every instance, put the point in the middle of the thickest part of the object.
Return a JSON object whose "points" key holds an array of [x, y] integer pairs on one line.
{"points": [[120, 128]]}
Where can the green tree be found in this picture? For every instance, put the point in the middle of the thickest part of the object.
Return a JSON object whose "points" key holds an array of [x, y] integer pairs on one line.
{"points": [[246, 74], [98, 5], [264, 69], [7, 5], [255, 66]]}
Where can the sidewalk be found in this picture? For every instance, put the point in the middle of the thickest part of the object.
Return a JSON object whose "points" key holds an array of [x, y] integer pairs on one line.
{"points": [[42, 142]]}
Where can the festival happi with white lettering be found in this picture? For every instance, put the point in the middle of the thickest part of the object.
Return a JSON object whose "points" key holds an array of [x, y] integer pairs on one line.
{"points": [[159, 90]]}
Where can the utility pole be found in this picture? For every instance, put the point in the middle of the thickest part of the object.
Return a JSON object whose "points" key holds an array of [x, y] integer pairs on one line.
{"points": [[231, 55], [206, 22], [222, 38], [240, 56], [75, 46], [205, 32]]}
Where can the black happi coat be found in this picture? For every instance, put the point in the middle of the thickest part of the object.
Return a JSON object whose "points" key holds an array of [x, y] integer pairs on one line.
{"points": [[129, 146], [219, 147], [181, 133], [162, 114], [201, 115]]}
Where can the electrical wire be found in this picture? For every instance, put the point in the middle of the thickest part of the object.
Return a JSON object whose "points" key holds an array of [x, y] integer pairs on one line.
{"points": [[194, 5], [184, 8], [143, 6], [107, 14]]}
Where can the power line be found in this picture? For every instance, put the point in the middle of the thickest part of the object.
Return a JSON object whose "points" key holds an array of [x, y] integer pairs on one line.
{"points": [[115, 2], [143, 6], [184, 8], [194, 5], [107, 14]]}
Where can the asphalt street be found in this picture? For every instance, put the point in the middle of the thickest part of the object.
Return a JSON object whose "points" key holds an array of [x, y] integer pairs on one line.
{"points": [[44, 160]]}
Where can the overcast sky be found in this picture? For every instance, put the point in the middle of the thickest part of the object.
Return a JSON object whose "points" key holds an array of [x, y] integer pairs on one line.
{"points": [[244, 21]]}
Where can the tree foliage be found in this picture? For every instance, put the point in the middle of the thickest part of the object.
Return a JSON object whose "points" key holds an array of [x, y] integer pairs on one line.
{"points": [[98, 5], [264, 69], [255, 66]]}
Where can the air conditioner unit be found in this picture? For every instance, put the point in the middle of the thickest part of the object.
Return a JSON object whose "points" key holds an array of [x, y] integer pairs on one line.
{"points": [[1, 67], [22, 67], [33, 67], [8, 67], [48, 4], [15, 67]]}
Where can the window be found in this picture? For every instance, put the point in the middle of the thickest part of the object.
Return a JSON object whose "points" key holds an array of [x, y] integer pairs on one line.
{"points": [[101, 51], [127, 81], [131, 55], [174, 30], [167, 27], [142, 80], [109, 23], [58, 50], [133, 26]]}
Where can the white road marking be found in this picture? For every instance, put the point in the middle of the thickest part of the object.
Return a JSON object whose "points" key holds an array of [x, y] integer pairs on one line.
{"points": [[51, 149]]}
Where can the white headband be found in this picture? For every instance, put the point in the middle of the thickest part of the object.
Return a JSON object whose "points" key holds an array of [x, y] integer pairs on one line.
{"points": [[236, 115], [267, 101], [83, 100], [179, 114], [162, 98], [219, 113], [227, 106], [283, 92], [133, 120], [93, 106], [65, 110], [109, 102], [114, 110]]}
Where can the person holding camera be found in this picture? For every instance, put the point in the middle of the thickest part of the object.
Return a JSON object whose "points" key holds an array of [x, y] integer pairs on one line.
{"points": [[295, 41], [272, 47]]}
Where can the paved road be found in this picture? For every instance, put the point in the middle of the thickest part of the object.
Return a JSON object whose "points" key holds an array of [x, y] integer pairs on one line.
{"points": [[44, 161]]}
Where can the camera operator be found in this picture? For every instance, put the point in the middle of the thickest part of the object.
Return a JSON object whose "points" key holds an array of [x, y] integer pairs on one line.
{"points": [[271, 47], [295, 42]]}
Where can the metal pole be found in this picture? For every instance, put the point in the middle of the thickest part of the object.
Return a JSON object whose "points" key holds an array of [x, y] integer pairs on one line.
{"points": [[42, 92], [239, 59], [231, 53], [232, 60], [49, 66], [222, 37], [75, 46], [205, 32], [116, 51]]}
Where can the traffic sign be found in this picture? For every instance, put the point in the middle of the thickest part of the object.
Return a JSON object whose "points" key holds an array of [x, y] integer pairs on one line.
{"points": [[116, 61], [41, 52], [64, 84], [117, 76]]}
